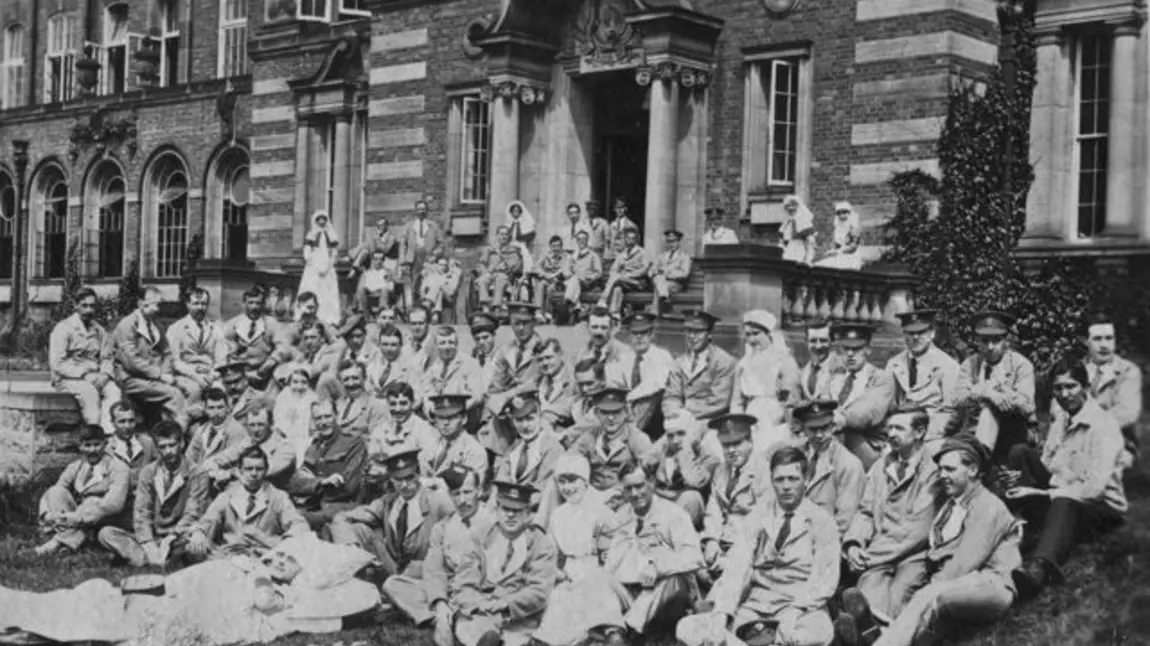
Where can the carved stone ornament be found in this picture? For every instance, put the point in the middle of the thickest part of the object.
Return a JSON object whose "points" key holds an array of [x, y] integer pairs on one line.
{"points": [[512, 91], [603, 38], [689, 78], [780, 7]]}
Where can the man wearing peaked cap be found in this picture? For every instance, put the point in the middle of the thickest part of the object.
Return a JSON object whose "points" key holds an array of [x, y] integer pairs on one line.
{"points": [[506, 588], [455, 446], [613, 443], [531, 459], [483, 329], [715, 232], [649, 371], [924, 375], [517, 370], [864, 393], [994, 398], [671, 271], [702, 378], [835, 476]]}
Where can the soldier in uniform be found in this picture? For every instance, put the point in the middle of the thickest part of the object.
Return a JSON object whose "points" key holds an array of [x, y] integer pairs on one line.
{"points": [[586, 271], [516, 371], [330, 477], [630, 272], [671, 271], [815, 376], [452, 372], [618, 227], [143, 360], [597, 226], [353, 347], [551, 273], [198, 347], [455, 447], [531, 459], [715, 232], [924, 376], [683, 467], [506, 263], [557, 389], [242, 396], [80, 357], [217, 433], [836, 477], [279, 456], [703, 377], [358, 413], [613, 445], [617, 358], [649, 374], [252, 337], [863, 391]]}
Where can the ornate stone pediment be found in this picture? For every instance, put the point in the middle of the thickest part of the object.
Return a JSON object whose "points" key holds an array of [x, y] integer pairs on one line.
{"points": [[601, 36]]}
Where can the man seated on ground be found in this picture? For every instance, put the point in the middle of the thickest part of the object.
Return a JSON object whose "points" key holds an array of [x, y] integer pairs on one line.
{"points": [[683, 466], [80, 358], [330, 477], [654, 556], [451, 371], [590, 380], [357, 411], [531, 459], [129, 445], [670, 272], [396, 526], [312, 353], [89, 494], [402, 429], [503, 264], [164, 509], [741, 481], [552, 271], [198, 347], [1115, 383], [353, 348], [995, 398], [517, 371], [629, 273], [650, 373], [251, 516], [924, 375], [374, 288], [703, 377], [613, 445], [143, 360], [1071, 490], [224, 467], [780, 574], [836, 477], [501, 591], [618, 358], [455, 447], [886, 543], [863, 391], [390, 366], [972, 549], [557, 389], [253, 338], [219, 432], [242, 396]]}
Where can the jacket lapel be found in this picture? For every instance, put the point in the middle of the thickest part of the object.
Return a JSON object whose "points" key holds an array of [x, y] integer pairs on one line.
{"points": [[862, 382]]}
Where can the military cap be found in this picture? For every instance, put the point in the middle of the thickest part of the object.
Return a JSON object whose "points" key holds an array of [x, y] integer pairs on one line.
{"points": [[816, 413], [483, 322], [90, 432], [521, 310], [455, 476], [673, 233], [233, 366], [714, 212], [448, 405], [353, 323], [699, 320], [968, 444], [610, 400], [523, 404], [641, 322], [514, 495], [404, 462], [991, 323], [733, 427], [917, 320], [852, 335]]}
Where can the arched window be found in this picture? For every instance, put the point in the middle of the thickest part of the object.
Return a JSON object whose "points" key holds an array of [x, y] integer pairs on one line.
{"points": [[104, 218], [235, 215], [170, 215], [7, 224], [50, 210], [12, 68], [226, 217]]}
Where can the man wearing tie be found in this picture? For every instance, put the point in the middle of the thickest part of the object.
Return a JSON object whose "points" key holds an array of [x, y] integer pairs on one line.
{"points": [[218, 433], [128, 445], [617, 358], [252, 337], [612, 445], [516, 372], [451, 372], [531, 459], [357, 411], [671, 271], [650, 370], [143, 360], [836, 477], [421, 238], [780, 574], [586, 271], [80, 355], [557, 389], [864, 393], [814, 376], [630, 272], [924, 376], [222, 468], [197, 346], [702, 378], [352, 348], [395, 527], [1115, 383], [455, 447], [90, 493]]}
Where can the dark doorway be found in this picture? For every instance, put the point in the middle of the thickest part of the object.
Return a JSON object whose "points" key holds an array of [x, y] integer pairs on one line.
{"points": [[619, 169]]}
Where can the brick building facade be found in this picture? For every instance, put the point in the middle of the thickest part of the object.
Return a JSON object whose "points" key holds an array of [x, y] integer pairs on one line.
{"points": [[237, 119]]}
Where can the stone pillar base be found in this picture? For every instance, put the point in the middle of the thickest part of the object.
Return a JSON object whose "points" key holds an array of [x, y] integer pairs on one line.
{"points": [[743, 277]]}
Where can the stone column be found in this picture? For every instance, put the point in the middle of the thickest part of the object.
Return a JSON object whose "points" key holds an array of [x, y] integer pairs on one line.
{"points": [[1043, 206], [1121, 219], [504, 154], [662, 156], [341, 218]]}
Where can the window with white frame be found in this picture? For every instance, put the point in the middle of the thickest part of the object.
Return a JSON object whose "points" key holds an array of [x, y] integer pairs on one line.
{"points": [[169, 42], [169, 213], [233, 38], [60, 61], [234, 213], [353, 8], [104, 198], [313, 9], [471, 121], [12, 68], [7, 224], [50, 210], [776, 121], [114, 66], [1092, 80]]}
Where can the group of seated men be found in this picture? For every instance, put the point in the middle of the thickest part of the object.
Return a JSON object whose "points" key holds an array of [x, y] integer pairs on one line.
{"points": [[893, 507]]}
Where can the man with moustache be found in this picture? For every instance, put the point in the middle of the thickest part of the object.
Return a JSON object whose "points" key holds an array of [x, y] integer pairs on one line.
{"points": [[780, 574], [455, 447], [143, 360], [252, 338], [198, 347], [715, 232], [531, 459], [885, 546], [863, 391], [670, 272], [516, 372], [815, 376], [995, 398], [630, 272], [279, 455], [924, 376], [80, 356], [649, 373], [451, 372], [613, 445], [403, 429], [1115, 383], [330, 477], [219, 432], [420, 350], [357, 412], [164, 510], [683, 467], [836, 476], [352, 348], [618, 360], [90, 493], [703, 377], [500, 593]]}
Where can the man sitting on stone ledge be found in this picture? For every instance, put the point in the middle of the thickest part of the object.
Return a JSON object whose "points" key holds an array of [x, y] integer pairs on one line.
{"points": [[198, 347], [144, 360], [80, 358]]}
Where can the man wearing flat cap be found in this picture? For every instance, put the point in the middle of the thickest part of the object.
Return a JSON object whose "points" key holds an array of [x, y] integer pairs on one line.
{"points": [[995, 397], [455, 447], [671, 271], [741, 481], [703, 377], [501, 591], [352, 347], [836, 476], [924, 376], [649, 372], [683, 465], [629, 273], [972, 548], [396, 527], [863, 391], [517, 371], [531, 459], [715, 232], [613, 444]]}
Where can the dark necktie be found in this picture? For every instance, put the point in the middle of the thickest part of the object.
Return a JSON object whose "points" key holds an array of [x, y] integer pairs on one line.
{"points": [[913, 369], [346, 409], [518, 355], [848, 386], [943, 519], [813, 465], [251, 329], [638, 525], [211, 436], [986, 368], [401, 527], [900, 470], [599, 354], [734, 482], [251, 504], [521, 465], [443, 375], [441, 458], [201, 324], [515, 230], [813, 379], [784, 531], [510, 555], [636, 373]]}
